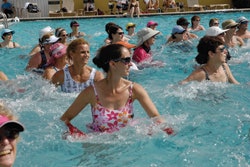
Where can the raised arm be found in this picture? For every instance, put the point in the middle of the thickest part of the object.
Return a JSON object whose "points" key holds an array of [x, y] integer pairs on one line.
{"points": [[87, 96], [231, 78]]}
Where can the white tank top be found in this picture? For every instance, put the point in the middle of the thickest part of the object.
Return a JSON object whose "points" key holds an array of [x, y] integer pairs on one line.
{"points": [[69, 85]]}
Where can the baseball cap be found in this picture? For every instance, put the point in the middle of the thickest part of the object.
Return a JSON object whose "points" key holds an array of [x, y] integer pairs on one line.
{"points": [[51, 39], [241, 19], [178, 30], [130, 25], [215, 31], [7, 31], [46, 30], [5, 121], [74, 23], [152, 23]]}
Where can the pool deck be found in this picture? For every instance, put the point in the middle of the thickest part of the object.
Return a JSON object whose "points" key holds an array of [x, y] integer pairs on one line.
{"points": [[142, 15]]}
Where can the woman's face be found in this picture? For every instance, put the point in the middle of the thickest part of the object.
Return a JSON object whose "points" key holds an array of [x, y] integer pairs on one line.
{"points": [[8, 148], [81, 54], [124, 63], [63, 35], [8, 36], [118, 35], [221, 54], [151, 40]]}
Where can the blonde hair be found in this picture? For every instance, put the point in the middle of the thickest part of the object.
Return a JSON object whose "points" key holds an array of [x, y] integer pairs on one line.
{"points": [[73, 46], [4, 111]]}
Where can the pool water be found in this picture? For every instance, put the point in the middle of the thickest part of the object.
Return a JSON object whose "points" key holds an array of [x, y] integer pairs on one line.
{"points": [[211, 120]]}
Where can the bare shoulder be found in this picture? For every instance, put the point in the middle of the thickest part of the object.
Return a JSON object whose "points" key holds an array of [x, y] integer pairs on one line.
{"points": [[58, 78], [98, 75]]}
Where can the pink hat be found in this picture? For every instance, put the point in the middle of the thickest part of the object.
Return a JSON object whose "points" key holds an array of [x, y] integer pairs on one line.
{"points": [[152, 23], [6, 121], [57, 50]]}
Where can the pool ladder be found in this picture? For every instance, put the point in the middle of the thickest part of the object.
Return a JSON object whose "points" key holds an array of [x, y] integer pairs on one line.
{"points": [[5, 20]]}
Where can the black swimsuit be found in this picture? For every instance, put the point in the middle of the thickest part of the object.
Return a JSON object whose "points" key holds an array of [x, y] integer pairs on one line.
{"points": [[207, 75]]}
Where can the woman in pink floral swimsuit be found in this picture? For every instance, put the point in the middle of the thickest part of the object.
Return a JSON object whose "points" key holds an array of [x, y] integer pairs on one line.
{"points": [[111, 98]]}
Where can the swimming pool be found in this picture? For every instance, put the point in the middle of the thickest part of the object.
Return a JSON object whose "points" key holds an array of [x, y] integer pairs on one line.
{"points": [[211, 120]]}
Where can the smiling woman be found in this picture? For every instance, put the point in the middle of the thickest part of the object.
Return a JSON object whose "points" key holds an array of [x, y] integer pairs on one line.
{"points": [[112, 98], [9, 133], [79, 75], [212, 58]]}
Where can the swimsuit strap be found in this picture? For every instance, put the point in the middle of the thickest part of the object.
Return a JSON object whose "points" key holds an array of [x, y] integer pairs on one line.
{"points": [[206, 73], [96, 95], [225, 71], [44, 60], [56, 69]]}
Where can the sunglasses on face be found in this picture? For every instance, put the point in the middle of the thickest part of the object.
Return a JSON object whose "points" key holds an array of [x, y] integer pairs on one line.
{"points": [[64, 35], [222, 49], [244, 22], [233, 26], [197, 20], [216, 24], [9, 134], [125, 60], [120, 33], [6, 34]]}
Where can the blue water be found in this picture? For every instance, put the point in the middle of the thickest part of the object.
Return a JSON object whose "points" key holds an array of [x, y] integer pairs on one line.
{"points": [[211, 120]]}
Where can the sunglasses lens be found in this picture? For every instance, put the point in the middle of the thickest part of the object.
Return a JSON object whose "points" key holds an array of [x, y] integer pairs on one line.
{"points": [[127, 60], [10, 135]]}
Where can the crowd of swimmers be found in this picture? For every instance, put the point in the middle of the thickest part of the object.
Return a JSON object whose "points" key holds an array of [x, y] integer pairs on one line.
{"points": [[62, 58]]}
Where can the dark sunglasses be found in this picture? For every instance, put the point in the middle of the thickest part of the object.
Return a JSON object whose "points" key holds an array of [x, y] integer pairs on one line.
{"points": [[125, 60], [216, 24], [244, 22], [120, 33], [233, 26], [64, 35], [7, 34], [9, 134], [222, 49]]}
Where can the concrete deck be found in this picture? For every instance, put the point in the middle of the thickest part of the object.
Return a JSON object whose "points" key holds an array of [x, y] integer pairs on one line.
{"points": [[142, 15]]}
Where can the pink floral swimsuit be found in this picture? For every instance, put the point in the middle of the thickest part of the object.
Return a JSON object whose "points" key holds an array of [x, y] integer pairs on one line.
{"points": [[110, 120]]}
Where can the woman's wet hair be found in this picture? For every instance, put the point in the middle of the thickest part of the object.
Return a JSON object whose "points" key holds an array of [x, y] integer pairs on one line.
{"points": [[108, 25], [107, 53], [211, 21], [58, 31], [113, 30], [194, 18], [73, 46], [206, 44]]}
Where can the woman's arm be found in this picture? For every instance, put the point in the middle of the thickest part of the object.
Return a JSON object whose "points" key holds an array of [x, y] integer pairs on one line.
{"points": [[231, 78], [34, 61], [142, 96], [86, 97], [3, 77]]}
